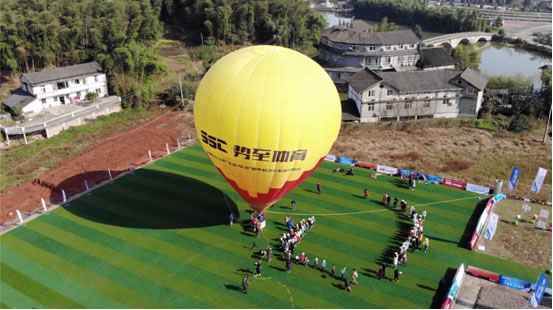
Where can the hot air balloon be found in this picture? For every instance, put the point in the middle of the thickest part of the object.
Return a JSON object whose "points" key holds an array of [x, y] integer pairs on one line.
{"points": [[266, 116]]}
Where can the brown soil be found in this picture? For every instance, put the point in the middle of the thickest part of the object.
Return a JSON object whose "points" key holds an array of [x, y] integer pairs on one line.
{"points": [[467, 154], [113, 153]]}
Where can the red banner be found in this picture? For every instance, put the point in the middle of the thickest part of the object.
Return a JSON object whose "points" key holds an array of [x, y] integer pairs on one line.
{"points": [[454, 183], [446, 304], [363, 164], [482, 273], [489, 205], [473, 240]]}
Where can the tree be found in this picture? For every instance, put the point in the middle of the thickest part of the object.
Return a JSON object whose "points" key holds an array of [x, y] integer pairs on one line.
{"points": [[498, 22], [418, 31], [466, 57]]}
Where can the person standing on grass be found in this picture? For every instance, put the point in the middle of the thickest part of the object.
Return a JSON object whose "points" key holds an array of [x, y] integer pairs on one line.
{"points": [[365, 193], [316, 263], [396, 275], [395, 202], [269, 252], [232, 218], [333, 269], [319, 187], [342, 272], [293, 205], [323, 265], [395, 260], [382, 271], [354, 276], [404, 259], [257, 269], [245, 283], [424, 215], [426, 244], [347, 285], [288, 266]]}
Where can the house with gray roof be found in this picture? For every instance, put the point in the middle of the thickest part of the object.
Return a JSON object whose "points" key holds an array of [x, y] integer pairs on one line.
{"points": [[54, 87], [355, 45], [416, 94], [436, 58]]}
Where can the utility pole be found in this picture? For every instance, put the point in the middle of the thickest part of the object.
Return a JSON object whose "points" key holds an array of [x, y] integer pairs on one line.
{"points": [[181, 95], [547, 125]]}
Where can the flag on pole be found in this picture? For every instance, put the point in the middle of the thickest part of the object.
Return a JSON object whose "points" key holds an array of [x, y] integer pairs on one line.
{"points": [[538, 181], [513, 179]]}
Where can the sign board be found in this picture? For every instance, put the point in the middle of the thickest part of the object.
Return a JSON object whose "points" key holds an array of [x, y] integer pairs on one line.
{"points": [[526, 208], [514, 283], [330, 157], [536, 298], [454, 183], [477, 189], [542, 225], [492, 226], [386, 169], [513, 179], [538, 181], [473, 239], [544, 214]]}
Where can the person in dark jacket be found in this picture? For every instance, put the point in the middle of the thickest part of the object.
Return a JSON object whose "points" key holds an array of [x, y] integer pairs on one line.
{"points": [[245, 284]]}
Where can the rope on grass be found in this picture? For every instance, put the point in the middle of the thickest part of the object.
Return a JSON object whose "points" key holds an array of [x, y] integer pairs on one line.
{"points": [[370, 211], [286, 287]]}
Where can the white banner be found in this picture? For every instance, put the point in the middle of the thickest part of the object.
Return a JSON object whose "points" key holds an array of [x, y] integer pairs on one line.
{"points": [[330, 157], [492, 226], [538, 181], [481, 222], [477, 189], [386, 169]]}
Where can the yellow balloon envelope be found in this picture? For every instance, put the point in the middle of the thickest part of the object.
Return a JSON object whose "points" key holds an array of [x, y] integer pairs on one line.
{"points": [[266, 116]]}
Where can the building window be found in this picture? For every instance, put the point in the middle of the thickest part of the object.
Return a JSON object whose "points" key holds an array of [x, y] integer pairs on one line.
{"points": [[96, 78], [426, 104], [61, 85], [412, 45], [387, 60], [340, 46], [372, 47], [371, 93], [77, 81], [43, 88], [389, 106], [339, 59], [445, 101], [98, 91], [43, 101], [78, 95], [390, 92], [408, 105], [470, 90], [371, 106], [56, 99]]}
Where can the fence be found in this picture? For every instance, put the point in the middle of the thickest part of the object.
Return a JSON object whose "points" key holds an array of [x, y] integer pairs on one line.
{"points": [[55, 125]]}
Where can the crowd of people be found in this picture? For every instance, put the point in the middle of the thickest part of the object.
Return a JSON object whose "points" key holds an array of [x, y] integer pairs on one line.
{"points": [[297, 231]]}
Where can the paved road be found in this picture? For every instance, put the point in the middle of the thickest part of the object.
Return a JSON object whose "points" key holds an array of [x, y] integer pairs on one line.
{"points": [[524, 30]]}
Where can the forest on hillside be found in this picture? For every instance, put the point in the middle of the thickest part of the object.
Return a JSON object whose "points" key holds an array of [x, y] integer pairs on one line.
{"points": [[416, 12]]}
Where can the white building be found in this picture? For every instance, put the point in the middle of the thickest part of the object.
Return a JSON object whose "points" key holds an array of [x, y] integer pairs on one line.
{"points": [[54, 87], [416, 94]]}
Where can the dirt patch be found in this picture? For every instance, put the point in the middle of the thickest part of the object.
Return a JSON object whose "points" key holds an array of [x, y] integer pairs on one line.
{"points": [[487, 155], [523, 243], [113, 153]]}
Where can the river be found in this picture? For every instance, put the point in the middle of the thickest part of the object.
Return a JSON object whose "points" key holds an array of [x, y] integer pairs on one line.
{"points": [[495, 59]]}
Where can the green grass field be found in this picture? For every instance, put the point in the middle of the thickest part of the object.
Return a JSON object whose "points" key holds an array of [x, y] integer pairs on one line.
{"points": [[159, 238]]}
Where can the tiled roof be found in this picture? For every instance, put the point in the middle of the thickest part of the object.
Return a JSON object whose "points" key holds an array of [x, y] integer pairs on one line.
{"points": [[436, 57], [413, 81], [474, 78], [63, 73], [19, 99], [360, 32], [364, 79]]}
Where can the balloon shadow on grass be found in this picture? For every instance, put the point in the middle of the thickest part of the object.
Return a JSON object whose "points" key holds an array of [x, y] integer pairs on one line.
{"points": [[154, 199]]}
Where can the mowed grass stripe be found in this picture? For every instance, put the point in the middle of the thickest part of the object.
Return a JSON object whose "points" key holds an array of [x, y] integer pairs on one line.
{"points": [[191, 168], [131, 280], [177, 289], [179, 249], [29, 287], [12, 298], [180, 267], [90, 279], [64, 286]]}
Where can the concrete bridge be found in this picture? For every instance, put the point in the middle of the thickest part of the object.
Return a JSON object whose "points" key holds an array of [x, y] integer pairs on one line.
{"points": [[453, 39]]}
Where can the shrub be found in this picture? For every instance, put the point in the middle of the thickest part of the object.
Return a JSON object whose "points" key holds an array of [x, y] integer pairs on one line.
{"points": [[91, 96], [519, 123]]}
